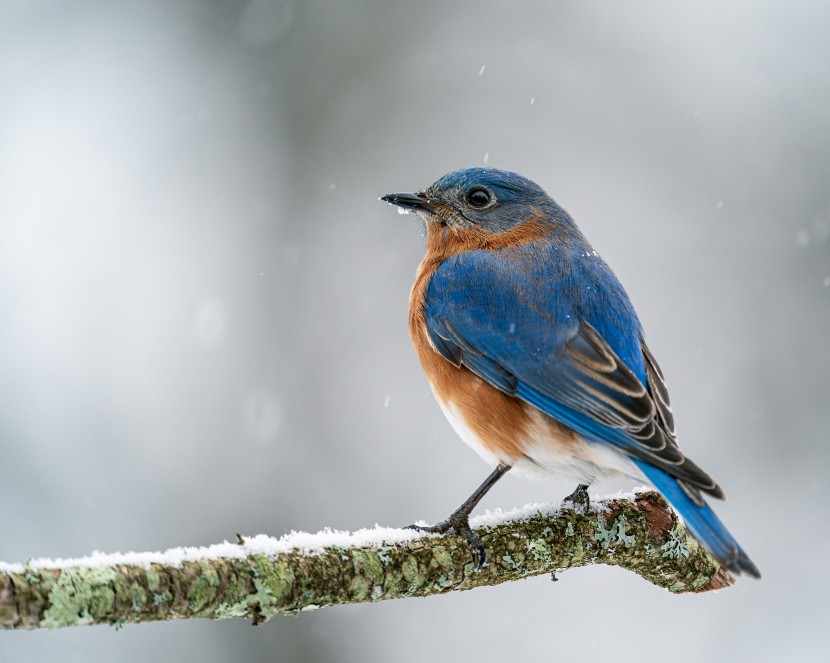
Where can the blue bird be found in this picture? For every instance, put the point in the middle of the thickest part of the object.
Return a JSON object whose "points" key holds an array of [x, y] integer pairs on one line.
{"points": [[536, 356]]}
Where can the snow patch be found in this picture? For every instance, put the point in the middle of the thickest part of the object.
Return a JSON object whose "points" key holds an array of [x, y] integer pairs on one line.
{"points": [[303, 542], [260, 544], [498, 517]]}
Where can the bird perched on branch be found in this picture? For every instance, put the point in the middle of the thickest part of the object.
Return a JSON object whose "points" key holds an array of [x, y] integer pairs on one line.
{"points": [[536, 356]]}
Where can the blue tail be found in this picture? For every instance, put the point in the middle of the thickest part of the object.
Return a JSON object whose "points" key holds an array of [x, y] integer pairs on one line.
{"points": [[702, 521]]}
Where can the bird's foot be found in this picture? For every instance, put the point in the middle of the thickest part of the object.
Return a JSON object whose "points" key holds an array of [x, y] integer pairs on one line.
{"points": [[460, 524], [580, 496]]}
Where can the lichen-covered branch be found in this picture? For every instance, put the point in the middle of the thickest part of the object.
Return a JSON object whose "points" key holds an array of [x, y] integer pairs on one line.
{"points": [[640, 534]]}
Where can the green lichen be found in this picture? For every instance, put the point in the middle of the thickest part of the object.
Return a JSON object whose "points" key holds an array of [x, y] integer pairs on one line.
{"points": [[368, 582], [616, 534], [444, 582], [263, 600], [676, 547], [509, 562], [622, 537], [202, 591], [368, 564], [443, 557], [539, 549], [273, 580], [137, 596], [236, 587], [153, 579], [412, 574], [240, 609], [699, 582], [80, 596], [360, 588], [341, 551], [604, 536], [31, 576], [276, 576]]}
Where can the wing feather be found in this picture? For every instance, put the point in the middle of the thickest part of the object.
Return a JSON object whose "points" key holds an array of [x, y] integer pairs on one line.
{"points": [[561, 364]]}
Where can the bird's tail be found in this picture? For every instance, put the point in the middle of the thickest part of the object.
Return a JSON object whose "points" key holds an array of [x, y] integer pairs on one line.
{"points": [[702, 521]]}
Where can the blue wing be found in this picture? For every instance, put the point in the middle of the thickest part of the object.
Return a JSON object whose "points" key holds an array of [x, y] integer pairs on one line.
{"points": [[551, 324], [559, 332]]}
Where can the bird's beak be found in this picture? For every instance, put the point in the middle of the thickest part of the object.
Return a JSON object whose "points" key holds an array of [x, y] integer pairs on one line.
{"points": [[409, 201]]}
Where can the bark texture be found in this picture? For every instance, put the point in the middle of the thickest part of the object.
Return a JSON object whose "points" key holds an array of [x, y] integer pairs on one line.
{"points": [[643, 536]]}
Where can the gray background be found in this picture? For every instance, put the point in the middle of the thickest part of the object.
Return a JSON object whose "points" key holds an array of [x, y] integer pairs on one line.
{"points": [[203, 304]]}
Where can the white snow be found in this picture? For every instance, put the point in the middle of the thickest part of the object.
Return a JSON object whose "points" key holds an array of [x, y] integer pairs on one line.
{"points": [[304, 542], [260, 544], [401, 210]]}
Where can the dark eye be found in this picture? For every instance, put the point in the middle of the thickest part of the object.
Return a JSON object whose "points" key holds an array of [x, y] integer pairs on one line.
{"points": [[478, 197]]}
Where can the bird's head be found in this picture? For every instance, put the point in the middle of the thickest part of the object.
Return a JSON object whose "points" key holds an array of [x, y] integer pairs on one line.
{"points": [[479, 201]]}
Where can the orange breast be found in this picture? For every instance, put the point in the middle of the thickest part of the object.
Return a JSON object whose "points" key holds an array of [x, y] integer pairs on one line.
{"points": [[497, 421]]}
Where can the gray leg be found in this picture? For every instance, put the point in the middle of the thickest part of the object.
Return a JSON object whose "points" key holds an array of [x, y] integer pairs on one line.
{"points": [[460, 518]]}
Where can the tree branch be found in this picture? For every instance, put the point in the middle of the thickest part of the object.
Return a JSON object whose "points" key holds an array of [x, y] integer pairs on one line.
{"points": [[262, 577]]}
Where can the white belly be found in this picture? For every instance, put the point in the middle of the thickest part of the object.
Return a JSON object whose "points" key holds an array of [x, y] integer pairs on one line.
{"points": [[468, 435], [545, 456]]}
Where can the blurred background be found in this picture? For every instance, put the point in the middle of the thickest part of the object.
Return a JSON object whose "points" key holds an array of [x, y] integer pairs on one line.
{"points": [[203, 303]]}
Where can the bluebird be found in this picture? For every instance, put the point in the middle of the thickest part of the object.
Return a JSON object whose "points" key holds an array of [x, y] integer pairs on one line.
{"points": [[536, 356]]}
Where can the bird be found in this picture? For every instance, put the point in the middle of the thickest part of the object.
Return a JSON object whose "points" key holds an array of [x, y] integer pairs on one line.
{"points": [[536, 356]]}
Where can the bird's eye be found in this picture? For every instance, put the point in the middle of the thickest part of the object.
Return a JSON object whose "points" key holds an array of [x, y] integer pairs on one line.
{"points": [[478, 197]]}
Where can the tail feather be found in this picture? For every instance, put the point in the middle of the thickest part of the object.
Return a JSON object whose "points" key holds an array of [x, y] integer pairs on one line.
{"points": [[702, 521]]}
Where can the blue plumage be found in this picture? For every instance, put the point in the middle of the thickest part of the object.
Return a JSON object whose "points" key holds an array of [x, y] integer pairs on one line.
{"points": [[702, 521], [527, 300], [520, 298]]}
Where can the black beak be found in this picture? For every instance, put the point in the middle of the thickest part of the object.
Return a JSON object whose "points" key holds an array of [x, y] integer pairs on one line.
{"points": [[413, 201]]}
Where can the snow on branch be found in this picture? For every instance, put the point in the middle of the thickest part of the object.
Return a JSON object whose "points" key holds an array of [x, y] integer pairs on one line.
{"points": [[261, 576]]}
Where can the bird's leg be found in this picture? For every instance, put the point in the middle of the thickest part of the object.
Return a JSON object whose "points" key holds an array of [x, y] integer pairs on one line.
{"points": [[580, 496], [460, 518]]}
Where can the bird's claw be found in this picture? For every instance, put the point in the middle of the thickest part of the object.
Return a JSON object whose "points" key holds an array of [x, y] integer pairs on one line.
{"points": [[461, 525], [580, 496]]}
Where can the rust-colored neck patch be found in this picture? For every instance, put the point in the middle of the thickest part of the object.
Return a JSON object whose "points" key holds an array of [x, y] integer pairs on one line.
{"points": [[445, 241]]}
